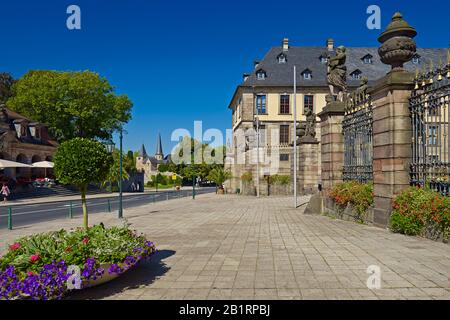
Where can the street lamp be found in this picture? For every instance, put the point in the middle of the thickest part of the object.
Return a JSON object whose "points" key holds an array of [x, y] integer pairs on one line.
{"points": [[110, 148], [121, 173]]}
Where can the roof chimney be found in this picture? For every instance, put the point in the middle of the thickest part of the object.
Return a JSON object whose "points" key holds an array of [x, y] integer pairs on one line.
{"points": [[330, 44], [285, 44]]}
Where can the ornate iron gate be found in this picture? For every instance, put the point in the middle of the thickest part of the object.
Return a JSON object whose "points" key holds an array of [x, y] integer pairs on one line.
{"points": [[429, 105], [358, 133]]}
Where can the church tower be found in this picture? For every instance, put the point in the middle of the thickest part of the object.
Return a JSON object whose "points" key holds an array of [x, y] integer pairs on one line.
{"points": [[159, 152]]}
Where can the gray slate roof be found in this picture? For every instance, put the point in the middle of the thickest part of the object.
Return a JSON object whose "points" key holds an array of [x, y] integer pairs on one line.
{"points": [[309, 58]]}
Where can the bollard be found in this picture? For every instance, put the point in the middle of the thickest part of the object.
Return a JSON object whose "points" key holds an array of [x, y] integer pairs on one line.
{"points": [[70, 210], [154, 198], [10, 218], [109, 205], [167, 196]]}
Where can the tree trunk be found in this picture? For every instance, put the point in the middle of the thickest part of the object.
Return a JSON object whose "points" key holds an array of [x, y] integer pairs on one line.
{"points": [[83, 204]]}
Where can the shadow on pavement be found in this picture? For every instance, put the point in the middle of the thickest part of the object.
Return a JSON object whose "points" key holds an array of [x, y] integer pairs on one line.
{"points": [[144, 273]]}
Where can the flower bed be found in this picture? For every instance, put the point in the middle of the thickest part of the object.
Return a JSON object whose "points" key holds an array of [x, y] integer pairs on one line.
{"points": [[46, 265], [419, 211], [354, 195]]}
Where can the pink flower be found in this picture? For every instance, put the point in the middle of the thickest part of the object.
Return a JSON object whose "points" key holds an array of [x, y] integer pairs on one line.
{"points": [[30, 274], [86, 240], [34, 258], [14, 246]]}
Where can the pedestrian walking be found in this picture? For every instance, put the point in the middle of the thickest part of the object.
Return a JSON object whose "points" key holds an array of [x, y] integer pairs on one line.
{"points": [[5, 192]]}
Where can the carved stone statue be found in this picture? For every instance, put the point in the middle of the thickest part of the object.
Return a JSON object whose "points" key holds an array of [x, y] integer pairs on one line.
{"points": [[306, 131], [310, 129], [337, 74]]}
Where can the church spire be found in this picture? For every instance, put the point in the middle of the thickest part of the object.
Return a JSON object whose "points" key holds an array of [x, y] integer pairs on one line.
{"points": [[159, 152], [142, 152]]}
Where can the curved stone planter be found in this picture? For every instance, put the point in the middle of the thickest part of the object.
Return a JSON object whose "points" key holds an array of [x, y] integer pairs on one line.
{"points": [[106, 276]]}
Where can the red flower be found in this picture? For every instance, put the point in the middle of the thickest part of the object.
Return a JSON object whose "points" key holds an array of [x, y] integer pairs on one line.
{"points": [[86, 240], [30, 274], [34, 258], [14, 246], [68, 249]]}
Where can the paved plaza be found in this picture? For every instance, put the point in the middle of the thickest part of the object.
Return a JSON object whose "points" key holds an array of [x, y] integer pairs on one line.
{"points": [[236, 247]]}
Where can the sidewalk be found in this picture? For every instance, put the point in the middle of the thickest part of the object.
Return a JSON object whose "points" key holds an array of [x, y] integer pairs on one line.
{"points": [[237, 247]]}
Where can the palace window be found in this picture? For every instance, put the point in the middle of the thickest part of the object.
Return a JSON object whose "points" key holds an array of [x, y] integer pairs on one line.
{"points": [[416, 59], [368, 59], [323, 59], [281, 58], [262, 135], [308, 103], [307, 74], [284, 134], [261, 104], [261, 75], [284, 104], [433, 135], [356, 75], [284, 157]]}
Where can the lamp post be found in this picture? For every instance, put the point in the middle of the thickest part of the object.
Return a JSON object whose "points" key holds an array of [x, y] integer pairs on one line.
{"points": [[121, 173], [193, 186], [255, 101], [110, 148], [295, 137]]}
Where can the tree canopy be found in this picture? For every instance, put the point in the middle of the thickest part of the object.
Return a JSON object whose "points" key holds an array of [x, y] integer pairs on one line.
{"points": [[72, 104], [82, 161], [6, 82]]}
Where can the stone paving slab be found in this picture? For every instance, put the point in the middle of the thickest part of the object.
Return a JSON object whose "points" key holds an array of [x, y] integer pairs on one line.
{"points": [[236, 247]]}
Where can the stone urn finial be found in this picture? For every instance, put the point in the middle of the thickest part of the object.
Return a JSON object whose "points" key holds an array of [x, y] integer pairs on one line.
{"points": [[397, 44]]}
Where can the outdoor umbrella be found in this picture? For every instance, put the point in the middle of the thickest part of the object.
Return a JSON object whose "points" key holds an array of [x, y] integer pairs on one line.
{"points": [[43, 164], [12, 164]]}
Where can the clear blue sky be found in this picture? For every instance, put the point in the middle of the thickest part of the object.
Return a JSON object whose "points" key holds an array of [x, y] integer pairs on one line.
{"points": [[180, 61]]}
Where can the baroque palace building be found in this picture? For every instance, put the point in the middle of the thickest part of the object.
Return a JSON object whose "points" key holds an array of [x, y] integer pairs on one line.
{"points": [[268, 91]]}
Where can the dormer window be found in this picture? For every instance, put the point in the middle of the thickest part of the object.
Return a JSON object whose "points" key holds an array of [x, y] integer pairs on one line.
{"points": [[323, 59], [307, 74], [281, 58], [356, 75], [261, 75], [367, 59], [35, 130], [21, 128], [416, 59]]}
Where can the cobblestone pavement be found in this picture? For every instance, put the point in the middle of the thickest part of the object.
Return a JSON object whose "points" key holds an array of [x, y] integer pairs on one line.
{"points": [[235, 247]]}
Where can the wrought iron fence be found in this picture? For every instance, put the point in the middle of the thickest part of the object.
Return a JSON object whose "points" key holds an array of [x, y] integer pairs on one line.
{"points": [[357, 128], [429, 105]]}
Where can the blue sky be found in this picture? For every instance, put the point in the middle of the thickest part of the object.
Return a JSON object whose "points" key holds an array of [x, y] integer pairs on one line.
{"points": [[180, 61]]}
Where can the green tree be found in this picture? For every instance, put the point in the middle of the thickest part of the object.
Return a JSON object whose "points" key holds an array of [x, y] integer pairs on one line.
{"points": [[79, 162], [72, 104], [219, 176], [6, 82], [129, 162], [114, 171]]}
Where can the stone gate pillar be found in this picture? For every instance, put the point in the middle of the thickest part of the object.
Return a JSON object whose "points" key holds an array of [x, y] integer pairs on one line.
{"points": [[332, 143], [391, 118]]}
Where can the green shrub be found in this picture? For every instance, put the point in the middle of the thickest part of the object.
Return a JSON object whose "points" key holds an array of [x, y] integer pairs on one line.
{"points": [[359, 195], [280, 179], [247, 177], [417, 208]]}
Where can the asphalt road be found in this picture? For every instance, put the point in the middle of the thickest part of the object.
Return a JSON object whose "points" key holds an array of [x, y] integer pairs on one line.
{"points": [[34, 213]]}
